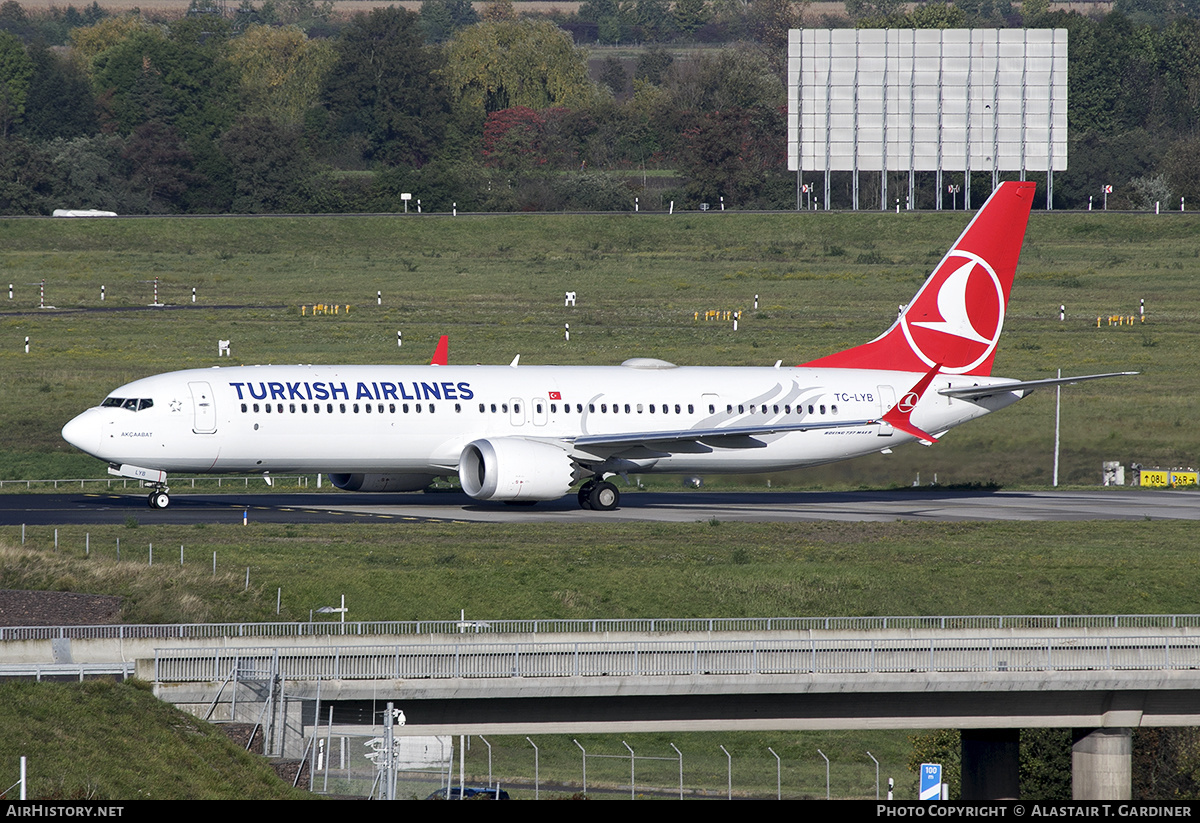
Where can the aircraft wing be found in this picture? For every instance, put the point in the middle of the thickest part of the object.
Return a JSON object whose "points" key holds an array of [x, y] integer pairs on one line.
{"points": [[973, 392], [743, 437], [710, 435]]}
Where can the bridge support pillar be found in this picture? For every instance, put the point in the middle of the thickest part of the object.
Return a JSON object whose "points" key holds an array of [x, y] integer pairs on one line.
{"points": [[990, 764], [1102, 764]]}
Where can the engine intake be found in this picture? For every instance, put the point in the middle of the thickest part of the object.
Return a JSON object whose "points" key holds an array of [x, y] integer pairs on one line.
{"points": [[510, 468]]}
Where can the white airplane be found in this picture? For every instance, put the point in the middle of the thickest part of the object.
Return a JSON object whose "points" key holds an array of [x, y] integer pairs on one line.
{"points": [[520, 434]]}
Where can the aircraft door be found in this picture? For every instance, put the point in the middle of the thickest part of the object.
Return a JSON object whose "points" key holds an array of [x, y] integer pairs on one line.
{"points": [[204, 407], [516, 411], [887, 399]]}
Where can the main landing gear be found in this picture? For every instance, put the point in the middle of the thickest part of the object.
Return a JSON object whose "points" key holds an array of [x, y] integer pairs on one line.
{"points": [[160, 498], [599, 495]]}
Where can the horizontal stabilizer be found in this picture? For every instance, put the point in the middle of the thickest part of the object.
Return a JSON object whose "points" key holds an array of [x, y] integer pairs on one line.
{"points": [[973, 392]]}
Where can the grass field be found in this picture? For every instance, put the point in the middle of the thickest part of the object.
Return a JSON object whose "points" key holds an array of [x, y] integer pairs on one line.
{"points": [[102, 741], [495, 284], [419, 571]]}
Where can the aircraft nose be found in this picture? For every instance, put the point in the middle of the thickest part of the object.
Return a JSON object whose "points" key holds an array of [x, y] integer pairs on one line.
{"points": [[83, 432]]}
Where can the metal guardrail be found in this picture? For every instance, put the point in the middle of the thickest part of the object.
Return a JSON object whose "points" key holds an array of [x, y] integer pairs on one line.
{"points": [[693, 658], [302, 481], [651, 625], [61, 671]]}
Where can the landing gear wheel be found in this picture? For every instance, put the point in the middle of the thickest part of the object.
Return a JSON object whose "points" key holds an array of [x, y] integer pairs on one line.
{"points": [[159, 500], [604, 497], [585, 494]]}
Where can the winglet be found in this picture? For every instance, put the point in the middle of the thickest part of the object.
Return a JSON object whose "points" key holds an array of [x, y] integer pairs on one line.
{"points": [[441, 355], [898, 416]]}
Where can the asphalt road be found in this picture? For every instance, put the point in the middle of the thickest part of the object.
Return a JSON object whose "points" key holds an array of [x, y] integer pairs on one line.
{"points": [[683, 506]]}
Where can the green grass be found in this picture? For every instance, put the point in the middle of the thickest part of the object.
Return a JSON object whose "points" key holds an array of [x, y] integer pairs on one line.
{"points": [[495, 284], [420, 571], [106, 741], [705, 766]]}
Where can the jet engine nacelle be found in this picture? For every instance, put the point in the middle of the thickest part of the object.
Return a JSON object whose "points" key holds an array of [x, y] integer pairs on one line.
{"points": [[381, 482], [509, 468]]}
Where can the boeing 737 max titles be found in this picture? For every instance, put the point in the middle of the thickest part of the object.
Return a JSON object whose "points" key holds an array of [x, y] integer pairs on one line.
{"points": [[521, 434]]}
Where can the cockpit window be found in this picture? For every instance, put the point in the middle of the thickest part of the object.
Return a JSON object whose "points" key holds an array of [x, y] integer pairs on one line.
{"points": [[131, 403]]}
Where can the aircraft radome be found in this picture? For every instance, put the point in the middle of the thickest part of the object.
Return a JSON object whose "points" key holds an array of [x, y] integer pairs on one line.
{"points": [[520, 434]]}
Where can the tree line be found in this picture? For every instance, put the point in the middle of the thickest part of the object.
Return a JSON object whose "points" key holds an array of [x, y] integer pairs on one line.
{"points": [[280, 107]]}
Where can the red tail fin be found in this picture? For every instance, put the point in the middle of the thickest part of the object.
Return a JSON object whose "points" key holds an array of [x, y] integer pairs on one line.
{"points": [[956, 317], [441, 355]]}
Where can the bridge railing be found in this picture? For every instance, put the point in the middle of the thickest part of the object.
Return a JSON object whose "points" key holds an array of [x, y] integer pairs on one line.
{"points": [[645, 625], [684, 658]]}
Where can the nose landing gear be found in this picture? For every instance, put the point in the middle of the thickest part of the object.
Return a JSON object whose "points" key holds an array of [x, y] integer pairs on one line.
{"points": [[159, 498]]}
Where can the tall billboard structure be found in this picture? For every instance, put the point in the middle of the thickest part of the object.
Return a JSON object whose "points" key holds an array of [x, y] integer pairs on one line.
{"points": [[940, 100]]}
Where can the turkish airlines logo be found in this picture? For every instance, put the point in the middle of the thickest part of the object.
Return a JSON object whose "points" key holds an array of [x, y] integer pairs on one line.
{"points": [[908, 402], [966, 295]]}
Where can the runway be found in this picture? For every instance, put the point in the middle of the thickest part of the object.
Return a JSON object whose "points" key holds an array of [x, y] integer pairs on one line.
{"points": [[657, 507]]}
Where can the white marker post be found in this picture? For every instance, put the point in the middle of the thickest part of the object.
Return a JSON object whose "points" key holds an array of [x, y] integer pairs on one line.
{"points": [[567, 332], [399, 340], [193, 294], [379, 298], [636, 205], [1062, 312], [102, 294], [27, 345], [756, 302], [1057, 418], [454, 209]]}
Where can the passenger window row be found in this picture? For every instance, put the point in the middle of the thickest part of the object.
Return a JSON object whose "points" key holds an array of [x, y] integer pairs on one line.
{"points": [[419, 408], [342, 408]]}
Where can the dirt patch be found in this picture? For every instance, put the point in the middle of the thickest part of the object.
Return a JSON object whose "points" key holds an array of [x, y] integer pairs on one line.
{"points": [[25, 608]]}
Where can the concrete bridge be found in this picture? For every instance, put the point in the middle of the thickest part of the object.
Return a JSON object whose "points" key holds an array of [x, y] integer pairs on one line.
{"points": [[1101, 677]]}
